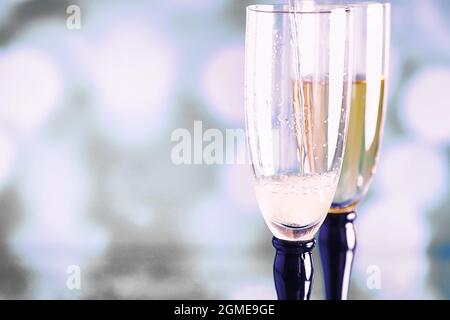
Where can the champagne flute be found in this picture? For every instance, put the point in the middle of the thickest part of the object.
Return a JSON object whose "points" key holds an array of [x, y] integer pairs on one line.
{"points": [[298, 89], [337, 240]]}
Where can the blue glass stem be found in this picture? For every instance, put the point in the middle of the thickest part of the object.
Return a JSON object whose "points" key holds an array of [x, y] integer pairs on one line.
{"points": [[293, 269], [337, 244]]}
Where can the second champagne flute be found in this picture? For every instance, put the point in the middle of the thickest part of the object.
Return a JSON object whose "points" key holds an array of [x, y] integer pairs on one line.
{"points": [[337, 239]]}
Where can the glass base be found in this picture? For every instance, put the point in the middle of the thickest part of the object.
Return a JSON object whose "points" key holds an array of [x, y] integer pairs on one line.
{"points": [[294, 232], [343, 210]]}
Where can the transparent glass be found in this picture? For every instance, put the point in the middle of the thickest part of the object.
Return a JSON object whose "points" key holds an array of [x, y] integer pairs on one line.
{"points": [[371, 23], [298, 91]]}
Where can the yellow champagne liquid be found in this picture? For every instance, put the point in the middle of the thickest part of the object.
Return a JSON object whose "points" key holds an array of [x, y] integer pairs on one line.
{"points": [[363, 145], [311, 119]]}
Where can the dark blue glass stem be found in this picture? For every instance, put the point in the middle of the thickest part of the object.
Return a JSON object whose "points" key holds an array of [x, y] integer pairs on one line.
{"points": [[337, 244], [293, 269]]}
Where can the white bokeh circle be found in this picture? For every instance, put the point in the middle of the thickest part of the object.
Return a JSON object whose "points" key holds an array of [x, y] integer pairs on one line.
{"points": [[133, 72], [425, 105], [31, 88], [223, 84], [415, 172]]}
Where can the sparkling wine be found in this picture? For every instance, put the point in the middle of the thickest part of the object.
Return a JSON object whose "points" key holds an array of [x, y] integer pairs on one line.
{"points": [[294, 207], [363, 144]]}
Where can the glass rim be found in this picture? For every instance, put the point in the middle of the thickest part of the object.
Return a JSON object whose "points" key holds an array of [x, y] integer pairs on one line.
{"points": [[315, 8], [357, 4]]}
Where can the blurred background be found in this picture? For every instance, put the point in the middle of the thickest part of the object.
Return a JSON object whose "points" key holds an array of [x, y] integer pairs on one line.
{"points": [[86, 177]]}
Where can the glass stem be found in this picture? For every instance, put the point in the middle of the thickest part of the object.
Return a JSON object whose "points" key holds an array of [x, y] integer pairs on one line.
{"points": [[337, 244], [293, 269]]}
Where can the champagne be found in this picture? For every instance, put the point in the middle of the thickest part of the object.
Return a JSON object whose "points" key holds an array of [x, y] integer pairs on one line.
{"points": [[294, 207], [313, 115], [363, 144]]}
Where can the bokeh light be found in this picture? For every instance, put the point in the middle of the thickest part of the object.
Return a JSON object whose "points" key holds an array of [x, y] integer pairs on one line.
{"points": [[132, 67], [425, 107], [31, 88], [421, 166], [223, 83]]}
